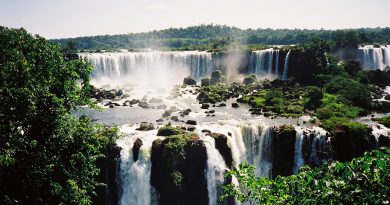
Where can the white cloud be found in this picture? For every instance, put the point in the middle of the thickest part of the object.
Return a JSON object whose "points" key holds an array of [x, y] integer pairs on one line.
{"points": [[156, 7]]}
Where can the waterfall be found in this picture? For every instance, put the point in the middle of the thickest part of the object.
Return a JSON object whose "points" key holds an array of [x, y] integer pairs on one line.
{"points": [[298, 158], [285, 69], [374, 58], [122, 68], [311, 147], [135, 175], [277, 64], [215, 171], [258, 143], [262, 63]]}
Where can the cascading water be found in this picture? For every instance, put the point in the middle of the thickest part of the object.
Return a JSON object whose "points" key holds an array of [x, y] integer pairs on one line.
{"points": [[311, 147], [374, 57], [216, 168], [156, 67], [262, 63], [135, 175], [285, 69]]}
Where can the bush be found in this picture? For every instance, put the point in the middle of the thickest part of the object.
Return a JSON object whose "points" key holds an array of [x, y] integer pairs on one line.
{"points": [[365, 180], [217, 77], [314, 95], [205, 82]]}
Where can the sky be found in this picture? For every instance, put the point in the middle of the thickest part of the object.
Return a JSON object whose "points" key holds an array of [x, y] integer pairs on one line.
{"points": [[73, 18]]}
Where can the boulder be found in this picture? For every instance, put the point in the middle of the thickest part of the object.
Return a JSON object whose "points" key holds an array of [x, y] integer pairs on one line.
{"points": [[144, 126], [221, 144], [175, 118], [235, 105], [283, 141], [136, 147], [205, 106], [189, 81], [191, 122]]}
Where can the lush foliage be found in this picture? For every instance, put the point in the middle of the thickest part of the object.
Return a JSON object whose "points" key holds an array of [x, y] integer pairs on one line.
{"points": [[364, 180], [47, 156], [205, 37]]}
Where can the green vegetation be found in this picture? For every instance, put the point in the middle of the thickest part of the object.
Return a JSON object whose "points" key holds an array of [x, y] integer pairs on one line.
{"points": [[384, 121], [169, 130], [219, 37], [47, 156], [364, 180], [214, 93]]}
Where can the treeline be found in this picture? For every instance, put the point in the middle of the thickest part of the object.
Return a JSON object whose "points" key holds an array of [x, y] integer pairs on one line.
{"points": [[211, 36]]}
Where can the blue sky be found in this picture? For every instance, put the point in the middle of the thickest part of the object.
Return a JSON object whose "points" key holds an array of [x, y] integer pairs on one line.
{"points": [[72, 18]]}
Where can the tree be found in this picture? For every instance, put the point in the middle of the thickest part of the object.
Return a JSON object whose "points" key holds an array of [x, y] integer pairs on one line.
{"points": [[47, 156]]}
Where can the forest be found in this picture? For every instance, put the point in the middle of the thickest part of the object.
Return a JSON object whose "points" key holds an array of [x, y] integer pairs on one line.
{"points": [[211, 37]]}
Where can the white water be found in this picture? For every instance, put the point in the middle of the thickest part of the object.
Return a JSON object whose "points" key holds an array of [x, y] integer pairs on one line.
{"points": [[216, 168], [374, 58], [298, 157], [262, 63], [135, 176], [285, 69], [154, 67]]}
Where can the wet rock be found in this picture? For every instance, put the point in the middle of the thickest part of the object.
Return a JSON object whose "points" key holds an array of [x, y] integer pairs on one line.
{"points": [[235, 105], [221, 105], [111, 106], [160, 120], [175, 118], [205, 106], [185, 112], [136, 147], [189, 81], [169, 131], [143, 104], [210, 112], [206, 131], [191, 128], [180, 178], [191, 122], [221, 144], [283, 140], [144, 126]]}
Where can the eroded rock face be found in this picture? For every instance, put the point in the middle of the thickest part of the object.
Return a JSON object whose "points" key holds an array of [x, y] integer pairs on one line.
{"points": [[136, 147], [283, 141], [178, 171], [347, 143], [108, 195], [221, 144]]}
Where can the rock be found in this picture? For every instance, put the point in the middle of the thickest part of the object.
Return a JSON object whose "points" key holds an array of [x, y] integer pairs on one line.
{"points": [[111, 106], [210, 112], [249, 80], [283, 141], [191, 122], [189, 81], [221, 105], [205, 82], [144, 126], [169, 131], [119, 93], [175, 118], [179, 178], [205, 106], [235, 105], [126, 103], [159, 120], [155, 100], [143, 104], [191, 128], [208, 132], [136, 147], [216, 77], [185, 112], [221, 144]]}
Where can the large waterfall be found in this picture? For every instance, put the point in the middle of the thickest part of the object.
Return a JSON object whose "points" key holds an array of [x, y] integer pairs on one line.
{"points": [[285, 70], [265, 63], [122, 68], [374, 57]]}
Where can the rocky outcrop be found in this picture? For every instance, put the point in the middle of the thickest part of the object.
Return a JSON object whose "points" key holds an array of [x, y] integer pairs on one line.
{"points": [[136, 147], [178, 165], [109, 194], [283, 140], [221, 144]]}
